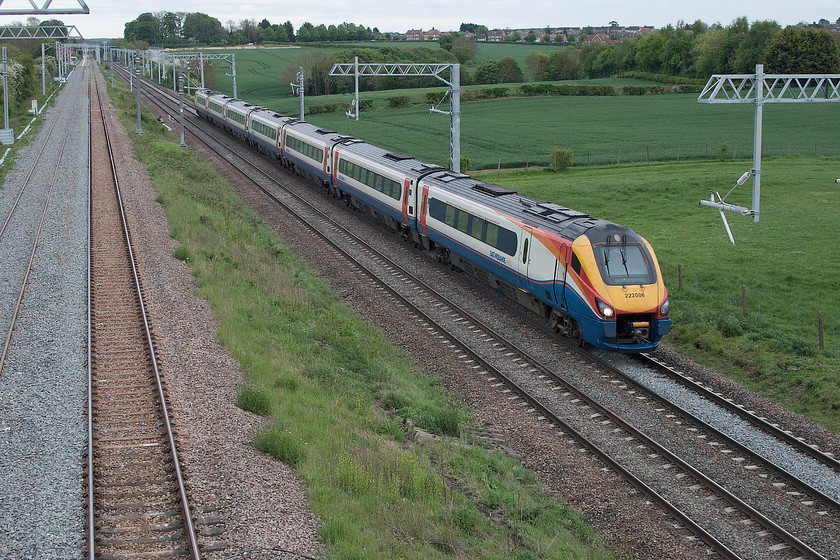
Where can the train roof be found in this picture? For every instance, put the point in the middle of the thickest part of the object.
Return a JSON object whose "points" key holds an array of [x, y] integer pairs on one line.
{"points": [[314, 131], [241, 106], [268, 115], [403, 163], [548, 216]]}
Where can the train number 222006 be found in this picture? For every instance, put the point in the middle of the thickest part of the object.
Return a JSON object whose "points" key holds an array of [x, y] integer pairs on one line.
{"points": [[630, 295]]}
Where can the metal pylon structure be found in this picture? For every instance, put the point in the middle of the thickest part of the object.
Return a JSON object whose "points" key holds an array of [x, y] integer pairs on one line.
{"points": [[758, 89], [39, 32], [433, 70], [31, 8]]}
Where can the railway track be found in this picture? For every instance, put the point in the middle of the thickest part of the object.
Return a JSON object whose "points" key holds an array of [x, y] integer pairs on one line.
{"points": [[541, 387], [137, 502], [31, 187]]}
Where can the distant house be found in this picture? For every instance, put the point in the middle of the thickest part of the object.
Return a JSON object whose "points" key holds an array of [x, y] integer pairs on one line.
{"points": [[496, 36], [414, 35], [432, 35], [599, 38]]}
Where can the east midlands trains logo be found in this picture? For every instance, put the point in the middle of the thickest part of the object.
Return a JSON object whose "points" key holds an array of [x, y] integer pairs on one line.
{"points": [[496, 256]]}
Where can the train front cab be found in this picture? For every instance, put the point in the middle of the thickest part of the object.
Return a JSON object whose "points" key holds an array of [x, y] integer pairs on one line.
{"points": [[621, 277]]}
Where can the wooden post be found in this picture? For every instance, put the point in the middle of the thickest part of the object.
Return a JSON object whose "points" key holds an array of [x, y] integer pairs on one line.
{"points": [[744, 299], [822, 338], [679, 274]]}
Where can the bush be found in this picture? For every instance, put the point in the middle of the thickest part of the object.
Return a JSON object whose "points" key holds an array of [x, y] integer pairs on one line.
{"points": [[465, 164], [321, 109], [531, 90], [398, 101], [560, 158]]}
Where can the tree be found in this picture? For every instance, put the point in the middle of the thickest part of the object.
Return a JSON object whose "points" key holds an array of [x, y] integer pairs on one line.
{"points": [[531, 38], [203, 29], [795, 50], [598, 60], [465, 49], [468, 27], [751, 50], [290, 30], [446, 42], [509, 71], [537, 64], [650, 52], [145, 28], [564, 65], [487, 73]]}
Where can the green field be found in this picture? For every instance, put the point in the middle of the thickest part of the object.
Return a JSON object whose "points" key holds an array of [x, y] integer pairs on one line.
{"points": [[599, 130]]}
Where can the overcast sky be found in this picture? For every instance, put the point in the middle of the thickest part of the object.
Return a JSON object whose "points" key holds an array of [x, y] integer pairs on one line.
{"points": [[107, 18]]}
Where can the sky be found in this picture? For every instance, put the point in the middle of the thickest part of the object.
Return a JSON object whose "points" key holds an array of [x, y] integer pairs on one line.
{"points": [[107, 18]]}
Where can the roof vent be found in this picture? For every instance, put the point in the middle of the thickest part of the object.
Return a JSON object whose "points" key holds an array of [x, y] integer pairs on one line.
{"points": [[398, 157], [493, 189]]}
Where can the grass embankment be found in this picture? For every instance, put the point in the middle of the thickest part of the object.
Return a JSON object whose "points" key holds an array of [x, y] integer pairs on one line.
{"points": [[336, 394], [788, 263]]}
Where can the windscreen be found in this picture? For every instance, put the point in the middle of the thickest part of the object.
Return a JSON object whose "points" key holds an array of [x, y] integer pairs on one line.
{"points": [[624, 263]]}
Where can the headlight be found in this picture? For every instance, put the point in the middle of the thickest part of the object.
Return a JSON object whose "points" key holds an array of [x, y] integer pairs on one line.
{"points": [[605, 309], [665, 307]]}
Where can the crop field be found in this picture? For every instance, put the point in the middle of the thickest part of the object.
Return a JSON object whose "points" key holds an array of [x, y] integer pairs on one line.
{"points": [[599, 130]]}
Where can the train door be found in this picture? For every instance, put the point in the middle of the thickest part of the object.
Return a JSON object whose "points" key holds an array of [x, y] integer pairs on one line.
{"points": [[525, 258], [561, 275]]}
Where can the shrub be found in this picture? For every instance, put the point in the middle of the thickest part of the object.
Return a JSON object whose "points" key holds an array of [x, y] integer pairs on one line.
{"points": [[560, 158], [465, 164], [398, 101], [321, 109]]}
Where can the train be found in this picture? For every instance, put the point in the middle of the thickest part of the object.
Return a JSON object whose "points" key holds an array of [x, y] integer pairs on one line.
{"points": [[595, 281]]}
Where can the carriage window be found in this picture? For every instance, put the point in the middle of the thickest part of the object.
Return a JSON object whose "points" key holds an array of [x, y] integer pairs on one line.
{"points": [[476, 227], [463, 221]]}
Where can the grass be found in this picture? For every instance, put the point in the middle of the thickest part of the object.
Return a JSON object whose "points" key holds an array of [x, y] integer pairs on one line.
{"points": [[788, 262], [336, 395]]}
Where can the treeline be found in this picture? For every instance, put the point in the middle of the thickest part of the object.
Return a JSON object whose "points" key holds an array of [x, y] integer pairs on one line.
{"points": [[180, 29], [699, 50]]}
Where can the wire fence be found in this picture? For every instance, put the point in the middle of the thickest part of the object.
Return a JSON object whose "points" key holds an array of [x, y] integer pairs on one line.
{"points": [[735, 308]]}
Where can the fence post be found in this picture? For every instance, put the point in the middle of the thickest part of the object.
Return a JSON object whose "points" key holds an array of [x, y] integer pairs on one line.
{"points": [[822, 339], [679, 274], [744, 299]]}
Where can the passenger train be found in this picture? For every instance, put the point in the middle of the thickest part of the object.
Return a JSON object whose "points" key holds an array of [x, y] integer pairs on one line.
{"points": [[594, 280]]}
